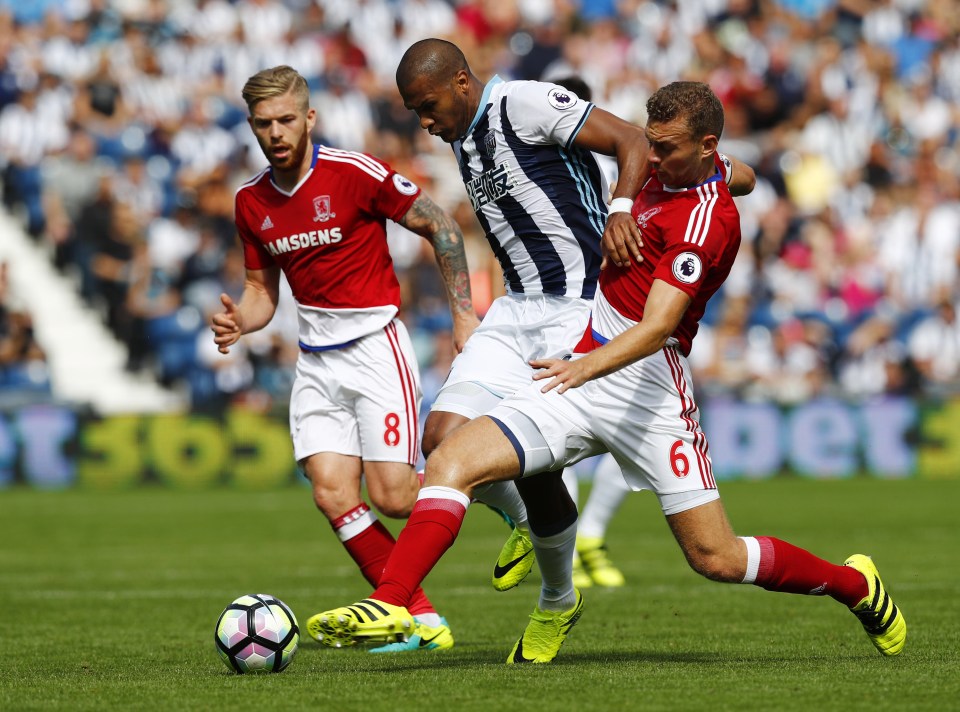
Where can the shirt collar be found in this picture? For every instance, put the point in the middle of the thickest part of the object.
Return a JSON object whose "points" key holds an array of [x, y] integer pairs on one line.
{"points": [[484, 100]]}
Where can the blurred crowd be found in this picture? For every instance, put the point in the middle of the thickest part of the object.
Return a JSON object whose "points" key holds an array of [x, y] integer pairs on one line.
{"points": [[23, 369], [123, 139]]}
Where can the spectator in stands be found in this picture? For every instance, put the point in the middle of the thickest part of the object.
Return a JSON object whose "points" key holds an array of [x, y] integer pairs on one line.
{"points": [[853, 115], [70, 181], [112, 267], [26, 135], [784, 366], [874, 361], [934, 347], [22, 361], [919, 248], [720, 359], [135, 187]]}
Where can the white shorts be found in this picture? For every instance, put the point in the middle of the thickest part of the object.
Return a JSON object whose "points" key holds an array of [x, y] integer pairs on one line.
{"points": [[494, 362], [360, 400], [644, 415]]}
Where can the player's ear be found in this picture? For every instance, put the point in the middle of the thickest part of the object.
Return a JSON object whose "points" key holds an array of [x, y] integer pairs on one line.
{"points": [[311, 119], [708, 146], [461, 80]]}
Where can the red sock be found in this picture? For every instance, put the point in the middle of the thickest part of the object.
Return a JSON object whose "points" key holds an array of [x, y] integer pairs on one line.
{"points": [[431, 529], [790, 569], [369, 544]]}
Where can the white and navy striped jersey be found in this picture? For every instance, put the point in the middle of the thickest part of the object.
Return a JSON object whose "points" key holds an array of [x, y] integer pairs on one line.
{"points": [[539, 198]]}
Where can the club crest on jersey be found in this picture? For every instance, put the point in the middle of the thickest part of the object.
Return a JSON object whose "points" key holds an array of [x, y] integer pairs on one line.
{"points": [[490, 143], [687, 267], [321, 206], [404, 185], [644, 217], [561, 99]]}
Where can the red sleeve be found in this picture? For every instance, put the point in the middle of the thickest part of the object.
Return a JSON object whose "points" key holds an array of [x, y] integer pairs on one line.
{"points": [[395, 196], [683, 266], [694, 240], [379, 193]]}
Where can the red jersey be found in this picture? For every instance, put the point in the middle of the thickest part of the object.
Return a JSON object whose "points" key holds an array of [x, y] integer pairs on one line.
{"points": [[690, 239], [329, 237]]}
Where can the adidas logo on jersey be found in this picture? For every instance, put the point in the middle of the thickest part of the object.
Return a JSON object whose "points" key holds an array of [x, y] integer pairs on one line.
{"points": [[267, 223]]}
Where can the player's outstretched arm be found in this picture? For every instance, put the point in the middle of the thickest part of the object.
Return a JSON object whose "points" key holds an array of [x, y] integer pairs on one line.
{"points": [[608, 134], [661, 316], [427, 218], [261, 293], [743, 179]]}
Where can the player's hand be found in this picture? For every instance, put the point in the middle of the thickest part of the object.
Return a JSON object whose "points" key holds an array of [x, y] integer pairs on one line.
{"points": [[564, 374], [464, 324], [621, 241], [227, 325]]}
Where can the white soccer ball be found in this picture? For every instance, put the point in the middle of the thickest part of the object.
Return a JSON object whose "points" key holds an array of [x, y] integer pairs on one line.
{"points": [[257, 633]]}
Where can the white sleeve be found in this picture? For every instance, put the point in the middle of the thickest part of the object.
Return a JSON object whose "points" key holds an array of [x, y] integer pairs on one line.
{"points": [[540, 112]]}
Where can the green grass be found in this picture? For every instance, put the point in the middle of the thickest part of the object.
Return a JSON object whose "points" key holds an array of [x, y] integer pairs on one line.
{"points": [[111, 600]]}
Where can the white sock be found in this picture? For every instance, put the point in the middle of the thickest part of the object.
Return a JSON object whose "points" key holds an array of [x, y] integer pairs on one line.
{"points": [[607, 494], [505, 497], [431, 620], [555, 559], [753, 559]]}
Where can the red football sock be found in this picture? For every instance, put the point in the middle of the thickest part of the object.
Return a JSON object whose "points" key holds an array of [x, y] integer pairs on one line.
{"points": [[790, 569], [431, 530], [369, 544]]}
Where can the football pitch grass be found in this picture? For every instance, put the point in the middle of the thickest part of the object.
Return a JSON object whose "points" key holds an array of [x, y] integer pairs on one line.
{"points": [[111, 600]]}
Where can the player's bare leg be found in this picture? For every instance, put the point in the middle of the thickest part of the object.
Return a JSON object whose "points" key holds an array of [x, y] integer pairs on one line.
{"points": [[501, 495], [516, 557], [712, 549], [474, 455], [707, 540], [392, 486], [335, 482]]}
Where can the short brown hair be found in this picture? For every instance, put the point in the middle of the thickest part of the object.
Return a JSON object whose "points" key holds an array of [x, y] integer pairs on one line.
{"points": [[276, 81], [694, 102]]}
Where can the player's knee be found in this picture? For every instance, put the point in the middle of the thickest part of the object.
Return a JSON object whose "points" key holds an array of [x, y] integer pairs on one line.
{"points": [[447, 468], [715, 565], [394, 496], [395, 506], [332, 502]]}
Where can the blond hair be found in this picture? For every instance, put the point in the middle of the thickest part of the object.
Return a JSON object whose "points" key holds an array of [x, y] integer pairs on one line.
{"points": [[276, 81]]}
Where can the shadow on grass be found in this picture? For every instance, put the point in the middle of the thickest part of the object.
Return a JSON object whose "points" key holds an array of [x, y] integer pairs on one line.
{"points": [[359, 660]]}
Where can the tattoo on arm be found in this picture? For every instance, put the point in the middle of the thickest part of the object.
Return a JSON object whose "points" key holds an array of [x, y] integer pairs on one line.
{"points": [[427, 218]]}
